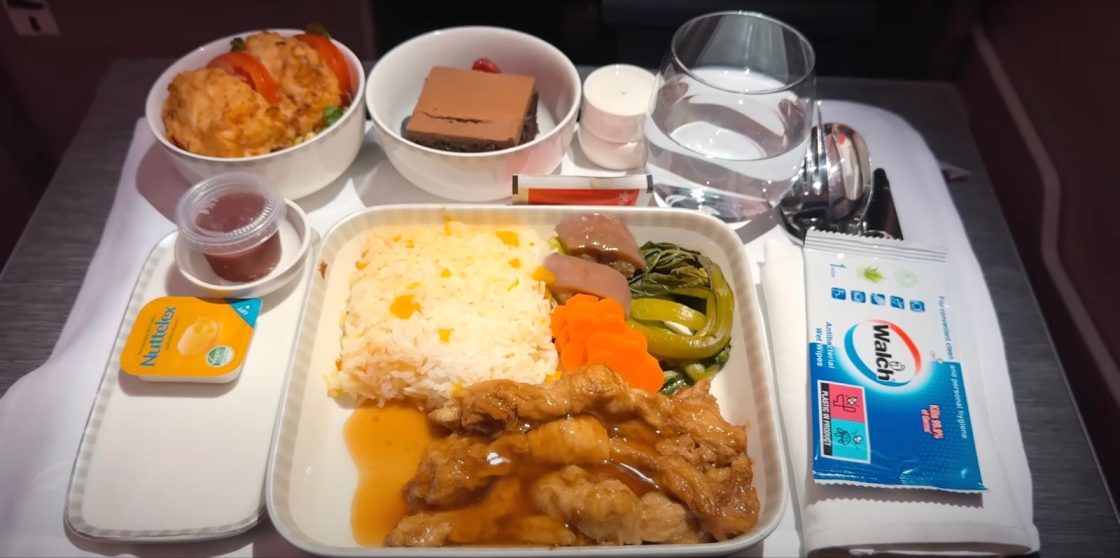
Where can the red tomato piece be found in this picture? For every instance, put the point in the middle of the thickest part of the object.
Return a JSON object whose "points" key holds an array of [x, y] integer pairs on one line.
{"points": [[332, 56], [250, 70]]}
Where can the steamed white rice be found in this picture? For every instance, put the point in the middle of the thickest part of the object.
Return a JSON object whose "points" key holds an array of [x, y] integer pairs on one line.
{"points": [[477, 312]]}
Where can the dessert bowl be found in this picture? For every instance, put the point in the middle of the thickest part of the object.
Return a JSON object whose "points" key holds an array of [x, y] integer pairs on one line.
{"points": [[395, 83], [296, 171]]}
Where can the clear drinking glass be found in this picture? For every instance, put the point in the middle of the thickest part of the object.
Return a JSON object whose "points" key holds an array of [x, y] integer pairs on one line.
{"points": [[728, 125]]}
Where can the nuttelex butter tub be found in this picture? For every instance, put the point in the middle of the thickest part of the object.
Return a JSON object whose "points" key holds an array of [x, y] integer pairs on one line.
{"points": [[188, 339]]}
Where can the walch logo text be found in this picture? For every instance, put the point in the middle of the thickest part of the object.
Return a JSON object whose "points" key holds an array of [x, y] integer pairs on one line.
{"points": [[883, 352]]}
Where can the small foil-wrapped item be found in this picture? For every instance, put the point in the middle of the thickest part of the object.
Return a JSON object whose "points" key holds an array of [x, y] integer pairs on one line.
{"points": [[630, 190]]}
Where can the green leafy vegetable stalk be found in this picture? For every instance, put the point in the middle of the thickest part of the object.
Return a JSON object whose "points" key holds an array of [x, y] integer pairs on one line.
{"points": [[668, 267], [237, 45], [683, 374], [682, 286], [675, 381], [648, 310], [317, 29], [331, 115]]}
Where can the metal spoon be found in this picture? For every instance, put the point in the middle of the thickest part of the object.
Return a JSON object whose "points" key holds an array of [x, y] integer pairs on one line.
{"points": [[879, 219], [834, 188], [806, 204], [849, 172]]}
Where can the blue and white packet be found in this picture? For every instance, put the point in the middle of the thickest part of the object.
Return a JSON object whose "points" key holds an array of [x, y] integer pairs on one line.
{"points": [[886, 384]]}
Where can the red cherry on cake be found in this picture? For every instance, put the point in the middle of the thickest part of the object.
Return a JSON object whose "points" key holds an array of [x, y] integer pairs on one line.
{"points": [[485, 65]]}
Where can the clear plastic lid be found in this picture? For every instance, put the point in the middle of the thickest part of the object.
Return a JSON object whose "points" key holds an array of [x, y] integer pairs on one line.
{"points": [[229, 213]]}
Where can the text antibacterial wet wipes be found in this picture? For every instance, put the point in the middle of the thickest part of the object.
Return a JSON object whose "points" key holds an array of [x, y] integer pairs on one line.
{"points": [[887, 388]]}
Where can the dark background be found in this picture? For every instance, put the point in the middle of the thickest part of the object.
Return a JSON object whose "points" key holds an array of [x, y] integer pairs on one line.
{"points": [[916, 39], [1039, 78]]}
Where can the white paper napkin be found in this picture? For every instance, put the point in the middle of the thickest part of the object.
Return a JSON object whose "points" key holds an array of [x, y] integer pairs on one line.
{"points": [[903, 521]]}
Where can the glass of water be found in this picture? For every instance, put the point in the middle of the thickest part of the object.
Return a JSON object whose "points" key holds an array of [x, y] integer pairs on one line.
{"points": [[729, 122]]}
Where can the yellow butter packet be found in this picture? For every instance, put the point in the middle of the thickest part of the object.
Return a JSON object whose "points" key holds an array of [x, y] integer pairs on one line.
{"points": [[189, 339]]}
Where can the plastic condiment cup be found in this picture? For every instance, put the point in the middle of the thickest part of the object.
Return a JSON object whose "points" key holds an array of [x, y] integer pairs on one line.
{"points": [[615, 101], [609, 155], [232, 219]]}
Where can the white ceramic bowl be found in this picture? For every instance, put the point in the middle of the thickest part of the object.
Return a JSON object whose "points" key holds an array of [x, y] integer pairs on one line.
{"points": [[395, 84], [298, 170]]}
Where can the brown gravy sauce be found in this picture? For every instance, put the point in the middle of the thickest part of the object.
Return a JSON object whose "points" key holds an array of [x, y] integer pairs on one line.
{"points": [[388, 443]]}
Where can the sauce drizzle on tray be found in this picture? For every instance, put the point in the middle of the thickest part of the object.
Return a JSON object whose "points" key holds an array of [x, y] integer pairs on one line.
{"points": [[386, 444]]}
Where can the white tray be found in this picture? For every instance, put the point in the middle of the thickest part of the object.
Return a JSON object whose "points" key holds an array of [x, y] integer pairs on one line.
{"points": [[311, 478], [163, 462]]}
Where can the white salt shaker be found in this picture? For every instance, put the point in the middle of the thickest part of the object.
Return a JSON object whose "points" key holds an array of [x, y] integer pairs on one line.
{"points": [[615, 100]]}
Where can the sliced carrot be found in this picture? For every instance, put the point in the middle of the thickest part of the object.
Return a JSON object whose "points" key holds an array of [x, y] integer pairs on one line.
{"points": [[578, 337], [615, 326], [573, 355], [611, 306], [580, 309], [642, 341], [589, 330], [579, 325], [606, 341], [562, 340], [559, 320], [650, 377], [635, 369], [581, 298]]}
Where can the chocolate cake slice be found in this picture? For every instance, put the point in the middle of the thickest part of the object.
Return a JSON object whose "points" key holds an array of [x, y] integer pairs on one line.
{"points": [[472, 111]]}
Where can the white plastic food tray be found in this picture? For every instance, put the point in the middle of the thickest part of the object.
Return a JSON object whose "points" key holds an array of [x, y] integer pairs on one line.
{"points": [[168, 462], [311, 478]]}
